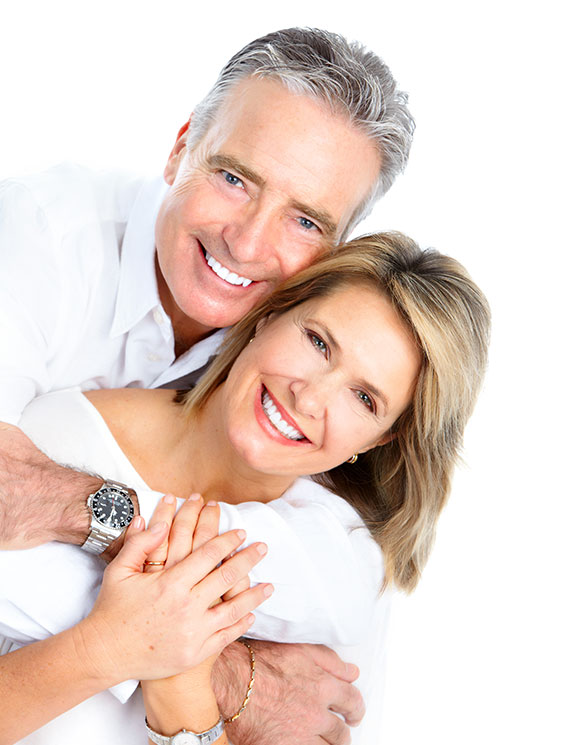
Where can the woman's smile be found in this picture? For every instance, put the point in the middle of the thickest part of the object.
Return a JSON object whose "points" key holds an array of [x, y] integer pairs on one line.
{"points": [[276, 421], [320, 382]]}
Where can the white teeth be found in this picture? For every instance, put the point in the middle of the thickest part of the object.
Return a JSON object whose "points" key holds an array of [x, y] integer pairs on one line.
{"points": [[277, 420], [224, 273]]}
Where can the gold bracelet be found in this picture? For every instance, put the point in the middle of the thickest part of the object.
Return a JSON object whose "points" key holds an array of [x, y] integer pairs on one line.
{"points": [[250, 687]]}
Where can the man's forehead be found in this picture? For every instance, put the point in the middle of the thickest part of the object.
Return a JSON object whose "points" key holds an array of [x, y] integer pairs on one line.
{"points": [[278, 138]]}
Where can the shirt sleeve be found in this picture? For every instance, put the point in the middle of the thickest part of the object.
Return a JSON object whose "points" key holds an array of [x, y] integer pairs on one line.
{"points": [[28, 299], [326, 568], [324, 565]]}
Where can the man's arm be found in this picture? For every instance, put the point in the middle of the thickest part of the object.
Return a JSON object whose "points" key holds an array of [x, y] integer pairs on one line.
{"points": [[297, 687], [40, 500]]}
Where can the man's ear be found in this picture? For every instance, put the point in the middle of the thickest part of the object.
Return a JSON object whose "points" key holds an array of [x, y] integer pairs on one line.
{"points": [[176, 155]]}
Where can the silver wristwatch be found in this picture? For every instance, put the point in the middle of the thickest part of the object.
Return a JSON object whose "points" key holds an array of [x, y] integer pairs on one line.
{"points": [[185, 737], [111, 511]]}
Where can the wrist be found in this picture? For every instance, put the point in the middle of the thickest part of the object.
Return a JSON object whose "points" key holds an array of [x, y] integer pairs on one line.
{"points": [[64, 492], [93, 653], [185, 700], [75, 523], [230, 677]]}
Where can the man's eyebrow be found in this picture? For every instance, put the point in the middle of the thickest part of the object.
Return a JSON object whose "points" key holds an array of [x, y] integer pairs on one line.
{"points": [[323, 218], [376, 392], [328, 225], [232, 164]]}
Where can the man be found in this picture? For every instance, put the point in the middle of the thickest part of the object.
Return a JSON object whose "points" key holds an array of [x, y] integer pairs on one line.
{"points": [[109, 283]]}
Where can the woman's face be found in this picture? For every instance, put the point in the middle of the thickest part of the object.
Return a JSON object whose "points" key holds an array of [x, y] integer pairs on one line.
{"points": [[319, 383]]}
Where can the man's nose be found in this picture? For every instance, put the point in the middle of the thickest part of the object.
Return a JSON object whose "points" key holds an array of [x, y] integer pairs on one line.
{"points": [[253, 235]]}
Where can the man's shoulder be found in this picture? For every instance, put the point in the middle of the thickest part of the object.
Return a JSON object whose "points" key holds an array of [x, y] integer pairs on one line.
{"points": [[68, 220], [68, 194]]}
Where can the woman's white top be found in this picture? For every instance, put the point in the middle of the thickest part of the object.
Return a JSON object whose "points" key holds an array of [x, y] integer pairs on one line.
{"points": [[326, 569]]}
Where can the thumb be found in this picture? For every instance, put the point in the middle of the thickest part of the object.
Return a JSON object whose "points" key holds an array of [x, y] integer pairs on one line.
{"points": [[137, 547], [332, 663]]}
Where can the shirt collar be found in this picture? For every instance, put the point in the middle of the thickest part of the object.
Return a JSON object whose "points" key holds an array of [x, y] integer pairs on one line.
{"points": [[137, 292]]}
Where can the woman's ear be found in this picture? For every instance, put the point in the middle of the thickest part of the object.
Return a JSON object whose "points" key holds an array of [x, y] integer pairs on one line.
{"points": [[382, 441], [261, 324]]}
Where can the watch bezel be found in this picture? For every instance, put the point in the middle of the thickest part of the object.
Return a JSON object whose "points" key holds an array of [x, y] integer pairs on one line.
{"points": [[111, 489]]}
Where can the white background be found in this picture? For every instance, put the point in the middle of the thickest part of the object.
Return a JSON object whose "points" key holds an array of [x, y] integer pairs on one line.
{"points": [[487, 649]]}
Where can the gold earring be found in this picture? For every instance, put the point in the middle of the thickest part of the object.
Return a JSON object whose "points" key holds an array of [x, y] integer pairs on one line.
{"points": [[353, 459]]}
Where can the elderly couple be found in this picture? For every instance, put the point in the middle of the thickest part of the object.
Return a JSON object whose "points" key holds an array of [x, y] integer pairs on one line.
{"points": [[326, 421]]}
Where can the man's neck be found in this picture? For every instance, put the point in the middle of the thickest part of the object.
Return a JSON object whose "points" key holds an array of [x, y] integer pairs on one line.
{"points": [[187, 331]]}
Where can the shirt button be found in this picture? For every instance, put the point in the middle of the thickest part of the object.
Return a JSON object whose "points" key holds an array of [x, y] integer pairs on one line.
{"points": [[158, 316], [153, 357]]}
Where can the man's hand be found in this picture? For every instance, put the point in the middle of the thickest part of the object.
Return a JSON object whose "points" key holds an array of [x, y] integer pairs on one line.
{"points": [[297, 687], [40, 500]]}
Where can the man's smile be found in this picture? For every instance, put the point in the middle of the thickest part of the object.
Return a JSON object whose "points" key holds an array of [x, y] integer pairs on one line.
{"points": [[224, 273]]}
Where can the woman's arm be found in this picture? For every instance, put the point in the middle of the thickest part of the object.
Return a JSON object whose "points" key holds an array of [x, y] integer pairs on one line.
{"points": [[187, 701], [126, 635]]}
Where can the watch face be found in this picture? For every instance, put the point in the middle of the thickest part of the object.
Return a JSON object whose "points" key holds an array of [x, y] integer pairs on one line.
{"points": [[112, 507], [185, 738]]}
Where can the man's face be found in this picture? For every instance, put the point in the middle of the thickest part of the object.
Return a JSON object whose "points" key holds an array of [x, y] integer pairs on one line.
{"points": [[271, 185]]}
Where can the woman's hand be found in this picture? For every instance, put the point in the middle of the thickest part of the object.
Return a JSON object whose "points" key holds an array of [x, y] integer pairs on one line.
{"points": [[157, 624], [185, 700]]}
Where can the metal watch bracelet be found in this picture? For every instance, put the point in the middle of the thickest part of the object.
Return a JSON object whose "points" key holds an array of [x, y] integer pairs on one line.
{"points": [[186, 737]]}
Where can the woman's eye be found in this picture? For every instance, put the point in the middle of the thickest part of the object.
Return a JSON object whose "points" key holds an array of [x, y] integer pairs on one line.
{"points": [[318, 343], [366, 400], [231, 179], [307, 224]]}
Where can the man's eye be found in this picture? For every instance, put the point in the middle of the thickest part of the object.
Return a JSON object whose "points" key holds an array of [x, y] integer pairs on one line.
{"points": [[366, 400], [231, 179], [318, 343], [307, 224]]}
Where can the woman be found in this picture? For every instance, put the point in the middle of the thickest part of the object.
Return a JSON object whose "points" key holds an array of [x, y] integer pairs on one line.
{"points": [[363, 369]]}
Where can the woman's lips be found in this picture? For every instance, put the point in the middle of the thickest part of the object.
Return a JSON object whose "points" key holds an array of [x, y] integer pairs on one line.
{"points": [[291, 429]]}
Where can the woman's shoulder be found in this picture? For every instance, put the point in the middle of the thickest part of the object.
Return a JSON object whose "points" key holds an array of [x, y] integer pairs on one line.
{"points": [[132, 413]]}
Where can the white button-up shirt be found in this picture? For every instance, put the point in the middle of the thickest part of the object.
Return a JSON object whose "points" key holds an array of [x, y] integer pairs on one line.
{"points": [[79, 302]]}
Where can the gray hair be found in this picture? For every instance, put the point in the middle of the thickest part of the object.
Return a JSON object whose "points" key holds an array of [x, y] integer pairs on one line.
{"points": [[350, 79]]}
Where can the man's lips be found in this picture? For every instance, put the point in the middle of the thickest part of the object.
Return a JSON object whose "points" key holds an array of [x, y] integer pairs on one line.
{"points": [[228, 276]]}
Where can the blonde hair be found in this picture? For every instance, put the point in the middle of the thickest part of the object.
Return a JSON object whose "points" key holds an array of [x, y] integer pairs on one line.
{"points": [[400, 488]]}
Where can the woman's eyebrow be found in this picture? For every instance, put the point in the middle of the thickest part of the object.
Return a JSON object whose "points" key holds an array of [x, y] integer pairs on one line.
{"points": [[333, 343]]}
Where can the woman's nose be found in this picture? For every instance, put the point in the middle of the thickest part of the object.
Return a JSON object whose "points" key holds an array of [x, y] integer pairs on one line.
{"points": [[310, 397]]}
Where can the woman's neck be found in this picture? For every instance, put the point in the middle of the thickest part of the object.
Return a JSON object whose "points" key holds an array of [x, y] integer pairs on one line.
{"points": [[179, 453], [214, 468]]}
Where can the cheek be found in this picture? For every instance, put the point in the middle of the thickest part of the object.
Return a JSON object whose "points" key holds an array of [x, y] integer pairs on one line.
{"points": [[351, 431], [296, 254]]}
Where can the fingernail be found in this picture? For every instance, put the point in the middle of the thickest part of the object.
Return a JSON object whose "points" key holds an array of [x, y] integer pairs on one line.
{"points": [[169, 499], [268, 591], [137, 522], [211, 503], [262, 548], [241, 534], [158, 527], [194, 498]]}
